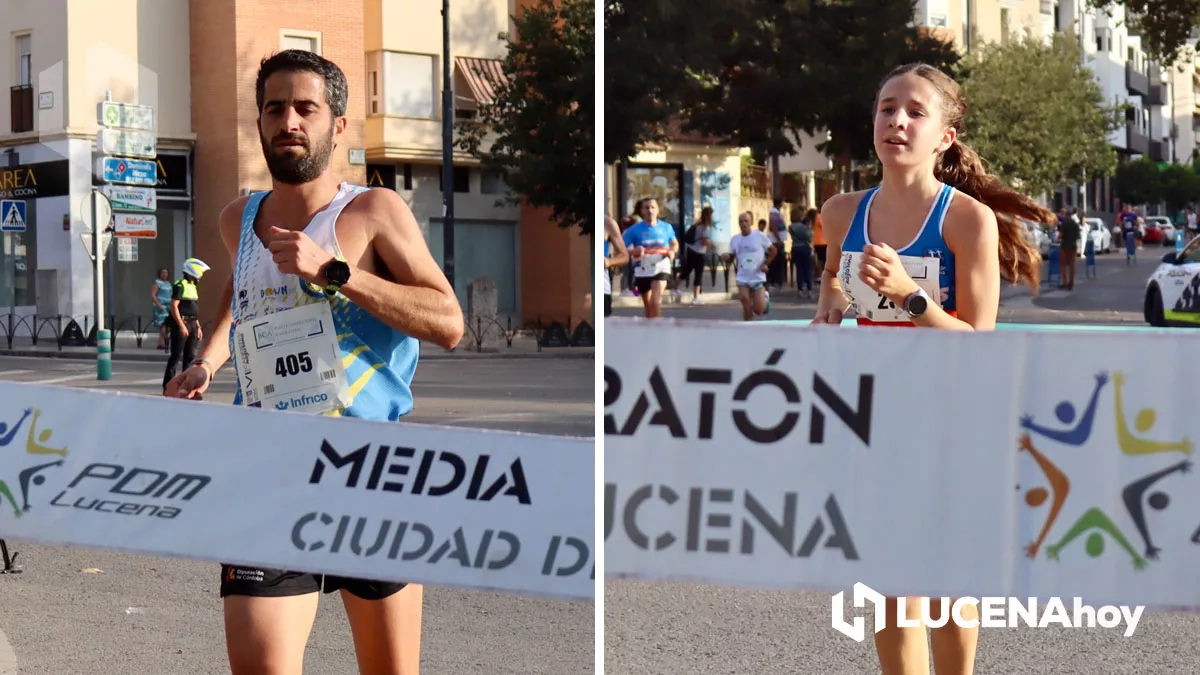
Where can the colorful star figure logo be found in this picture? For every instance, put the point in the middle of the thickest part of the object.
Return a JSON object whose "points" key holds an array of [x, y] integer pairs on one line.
{"points": [[21, 470], [1074, 430]]}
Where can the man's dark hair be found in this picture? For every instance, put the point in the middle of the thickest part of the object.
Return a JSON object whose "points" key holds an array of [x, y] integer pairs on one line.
{"points": [[301, 61]]}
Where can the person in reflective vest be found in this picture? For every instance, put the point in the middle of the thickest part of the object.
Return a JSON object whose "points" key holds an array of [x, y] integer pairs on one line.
{"points": [[183, 326]]}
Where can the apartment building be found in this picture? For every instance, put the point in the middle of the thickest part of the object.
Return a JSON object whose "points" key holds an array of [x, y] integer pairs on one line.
{"points": [[1185, 110], [194, 62], [1114, 55]]}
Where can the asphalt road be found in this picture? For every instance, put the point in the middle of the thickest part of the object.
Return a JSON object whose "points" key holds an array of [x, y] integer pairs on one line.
{"points": [[671, 628], [162, 616], [1114, 296]]}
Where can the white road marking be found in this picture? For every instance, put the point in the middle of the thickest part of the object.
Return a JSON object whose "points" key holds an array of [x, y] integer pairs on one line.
{"points": [[64, 378], [8, 658], [8, 373]]}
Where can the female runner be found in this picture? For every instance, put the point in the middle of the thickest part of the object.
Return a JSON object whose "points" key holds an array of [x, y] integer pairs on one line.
{"points": [[928, 248]]}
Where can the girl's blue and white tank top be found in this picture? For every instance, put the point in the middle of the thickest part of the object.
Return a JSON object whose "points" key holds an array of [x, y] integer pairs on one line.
{"points": [[929, 241], [379, 361]]}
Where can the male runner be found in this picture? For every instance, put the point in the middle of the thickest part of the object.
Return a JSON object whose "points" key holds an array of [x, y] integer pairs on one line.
{"points": [[314, 244], [752, 252], [653, 246]]}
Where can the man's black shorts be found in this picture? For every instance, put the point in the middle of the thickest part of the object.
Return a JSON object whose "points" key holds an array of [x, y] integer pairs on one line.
{"points": [[643, 283], [261, 582]]}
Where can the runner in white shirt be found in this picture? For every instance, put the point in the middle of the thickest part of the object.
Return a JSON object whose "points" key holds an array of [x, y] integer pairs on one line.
{"points": [[753, 252]]}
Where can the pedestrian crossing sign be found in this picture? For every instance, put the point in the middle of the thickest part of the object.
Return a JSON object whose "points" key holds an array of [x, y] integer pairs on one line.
{"points": [[12, 215]]}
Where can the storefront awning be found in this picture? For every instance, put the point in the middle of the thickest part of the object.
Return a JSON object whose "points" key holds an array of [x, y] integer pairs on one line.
{"points": [[482, 75]]}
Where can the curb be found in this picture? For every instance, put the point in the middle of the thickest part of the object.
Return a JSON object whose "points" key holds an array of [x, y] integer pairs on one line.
{"points": [[549, 353]]}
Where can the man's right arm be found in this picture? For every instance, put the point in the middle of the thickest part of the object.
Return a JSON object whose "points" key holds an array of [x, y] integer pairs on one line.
{"points": [[216, 349]]}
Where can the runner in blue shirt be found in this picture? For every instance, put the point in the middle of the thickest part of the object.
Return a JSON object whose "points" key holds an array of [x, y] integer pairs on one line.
{"points": [[652, 245]]}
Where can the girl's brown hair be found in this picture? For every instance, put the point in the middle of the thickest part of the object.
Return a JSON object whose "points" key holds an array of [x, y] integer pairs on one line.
{"points": [[960, 167], [706, 216]]}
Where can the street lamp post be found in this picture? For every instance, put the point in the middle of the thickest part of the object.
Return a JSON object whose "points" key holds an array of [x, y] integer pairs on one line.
{"points": [[447, 150]]}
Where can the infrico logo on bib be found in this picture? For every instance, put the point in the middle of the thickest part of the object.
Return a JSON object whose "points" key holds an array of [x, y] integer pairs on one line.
{"points": [[304, 400], [994, 612]]}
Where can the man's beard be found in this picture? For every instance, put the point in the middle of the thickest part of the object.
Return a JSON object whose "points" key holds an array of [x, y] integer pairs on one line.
{"points": [[305, 168]]}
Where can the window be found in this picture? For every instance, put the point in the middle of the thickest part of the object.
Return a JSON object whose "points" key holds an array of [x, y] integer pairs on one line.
{"points": [[462, 179], [1004, 25], [492, 183], [304, 40], [24, 60], [409, 85]]}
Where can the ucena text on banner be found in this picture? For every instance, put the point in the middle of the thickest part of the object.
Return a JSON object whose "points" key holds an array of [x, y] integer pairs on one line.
{"points": [[394, 501], [918, 462]]}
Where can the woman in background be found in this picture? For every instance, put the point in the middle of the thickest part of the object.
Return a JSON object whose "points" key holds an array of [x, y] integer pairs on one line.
{"points": [[160, 295]]}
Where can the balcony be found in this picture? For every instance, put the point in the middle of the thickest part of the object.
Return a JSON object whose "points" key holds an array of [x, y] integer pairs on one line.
{"points": [[1136, 81], [1136, 142], [1157, 95], [21, 102], [1158, 151]]}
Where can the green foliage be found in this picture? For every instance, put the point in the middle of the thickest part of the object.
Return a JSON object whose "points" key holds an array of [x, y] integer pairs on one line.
{"points": [[539, 131], [1180, 186], [747, 70], [1138, 182], [1037, 115]]}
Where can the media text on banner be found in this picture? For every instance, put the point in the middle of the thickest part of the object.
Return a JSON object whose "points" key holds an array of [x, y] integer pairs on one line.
{"points": [[821, 457], [393, 501]]}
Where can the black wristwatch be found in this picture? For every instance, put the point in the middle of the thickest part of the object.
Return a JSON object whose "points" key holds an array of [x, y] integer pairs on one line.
{"points": [[916, 304], [336, 273]]}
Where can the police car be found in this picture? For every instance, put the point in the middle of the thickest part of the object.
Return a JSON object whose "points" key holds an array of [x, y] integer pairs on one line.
{"points": [[1173, 290]]}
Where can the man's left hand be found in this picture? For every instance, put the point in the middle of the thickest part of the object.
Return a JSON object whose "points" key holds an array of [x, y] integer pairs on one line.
{"points": [[296, 253]]}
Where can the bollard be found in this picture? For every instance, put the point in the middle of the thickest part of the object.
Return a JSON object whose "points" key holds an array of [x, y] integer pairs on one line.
{"points": [[103, 355]]}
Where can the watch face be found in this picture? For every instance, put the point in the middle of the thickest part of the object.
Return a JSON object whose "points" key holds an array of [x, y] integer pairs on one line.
{"points": [[917, 305], [337, 272]]}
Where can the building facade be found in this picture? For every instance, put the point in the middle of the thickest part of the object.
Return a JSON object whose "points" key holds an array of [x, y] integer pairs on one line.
{"points": [[1115, 57], [194, 62]]}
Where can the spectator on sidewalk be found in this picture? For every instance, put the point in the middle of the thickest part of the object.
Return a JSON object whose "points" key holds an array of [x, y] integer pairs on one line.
{"points": [[802, 252], [160, 295]]}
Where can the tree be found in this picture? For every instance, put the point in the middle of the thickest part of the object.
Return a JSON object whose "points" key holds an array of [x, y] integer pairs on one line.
{"points": [[1037, 115], [654, 51], [851, 46], [751, 71], [1138, 182], [1180, 185], [539, 130], [1165, 26], [806, 66]]}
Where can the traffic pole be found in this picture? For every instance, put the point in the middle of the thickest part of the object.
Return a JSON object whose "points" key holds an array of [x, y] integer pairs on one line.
{"points": [[103, 355], [103, 348]]}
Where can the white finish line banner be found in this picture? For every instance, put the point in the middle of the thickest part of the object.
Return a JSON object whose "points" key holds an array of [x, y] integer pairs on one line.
{"points": [[391, 501], [918, 462]]}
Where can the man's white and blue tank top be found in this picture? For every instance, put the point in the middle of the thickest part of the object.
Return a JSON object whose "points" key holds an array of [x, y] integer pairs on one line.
{"points": [[929, 241], [379, 361]]}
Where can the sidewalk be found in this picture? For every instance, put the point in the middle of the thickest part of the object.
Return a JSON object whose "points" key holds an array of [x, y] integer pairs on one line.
{"points": [[127, 349]]}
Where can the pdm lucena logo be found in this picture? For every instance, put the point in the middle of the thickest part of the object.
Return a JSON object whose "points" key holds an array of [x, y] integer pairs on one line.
{"points": [[22, 460], [1086, 431]]}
